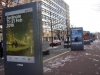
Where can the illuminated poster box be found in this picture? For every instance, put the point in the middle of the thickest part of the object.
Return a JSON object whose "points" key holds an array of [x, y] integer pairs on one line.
{"points": [[22, 34], [91, 37], [19, 36], [76, 38], [86, 37]]}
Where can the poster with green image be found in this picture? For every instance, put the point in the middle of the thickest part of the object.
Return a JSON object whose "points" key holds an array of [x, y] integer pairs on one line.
{"points": [[19, 33]]}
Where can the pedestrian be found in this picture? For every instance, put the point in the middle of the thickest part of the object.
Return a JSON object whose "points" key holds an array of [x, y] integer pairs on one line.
{"points": [[13, 44], [16, 44], [1, 49]]}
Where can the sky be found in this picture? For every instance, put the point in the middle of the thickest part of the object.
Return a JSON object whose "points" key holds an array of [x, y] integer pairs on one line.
{"points": [[84, 13]]}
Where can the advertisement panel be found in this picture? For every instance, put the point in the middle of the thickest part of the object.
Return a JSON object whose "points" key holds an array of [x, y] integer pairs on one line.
{"points": [[91, 37], [19, 36], [94, 37], [22, 44], [86, 37], [76, 38]]}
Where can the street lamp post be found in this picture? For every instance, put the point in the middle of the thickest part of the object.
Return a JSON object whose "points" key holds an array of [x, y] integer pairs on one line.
{"points": [[63, 34], [51, 25], [67, 38], [51, 30], [67, 32]]}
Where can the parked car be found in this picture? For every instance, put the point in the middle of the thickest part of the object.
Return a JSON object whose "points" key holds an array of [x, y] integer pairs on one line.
{"points": [[55, 43]]}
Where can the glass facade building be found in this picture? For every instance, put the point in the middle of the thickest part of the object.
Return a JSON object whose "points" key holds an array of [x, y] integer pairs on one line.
{"points": [[54, 15]]}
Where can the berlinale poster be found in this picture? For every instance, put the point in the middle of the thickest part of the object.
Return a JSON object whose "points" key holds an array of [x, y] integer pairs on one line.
{"points": [[76, 36], [19, 36], [86, 36]]}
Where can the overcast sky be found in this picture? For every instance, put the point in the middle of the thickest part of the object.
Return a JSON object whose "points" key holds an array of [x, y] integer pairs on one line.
{"points": [[83, 13]]}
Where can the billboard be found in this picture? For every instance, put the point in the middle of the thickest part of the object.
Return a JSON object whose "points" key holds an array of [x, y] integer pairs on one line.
{"points": [[86, 37], [94, 37], [76, 38], [91, 37], [22, 34], [19, 36]]}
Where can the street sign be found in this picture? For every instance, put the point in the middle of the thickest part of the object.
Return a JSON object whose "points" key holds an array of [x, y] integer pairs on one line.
{"points": [[76, 38], [22, 40], [86, 37]]}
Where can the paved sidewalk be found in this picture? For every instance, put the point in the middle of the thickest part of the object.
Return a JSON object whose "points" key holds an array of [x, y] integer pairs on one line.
{"points": [[1, 67], [85, 62]]}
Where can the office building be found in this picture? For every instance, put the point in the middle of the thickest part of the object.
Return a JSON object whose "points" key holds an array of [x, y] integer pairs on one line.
{"points": [[55, 17]]}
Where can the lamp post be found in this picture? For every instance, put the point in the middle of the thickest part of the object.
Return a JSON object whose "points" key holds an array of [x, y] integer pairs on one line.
{"points": [[67, 37], [51, 25], [63, 35], [67, 32]]}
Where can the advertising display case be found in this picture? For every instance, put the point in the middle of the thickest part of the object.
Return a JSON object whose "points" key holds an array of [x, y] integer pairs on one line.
{"points": [[22, 42], [91, 37], [76, 38], [86, 37]]}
